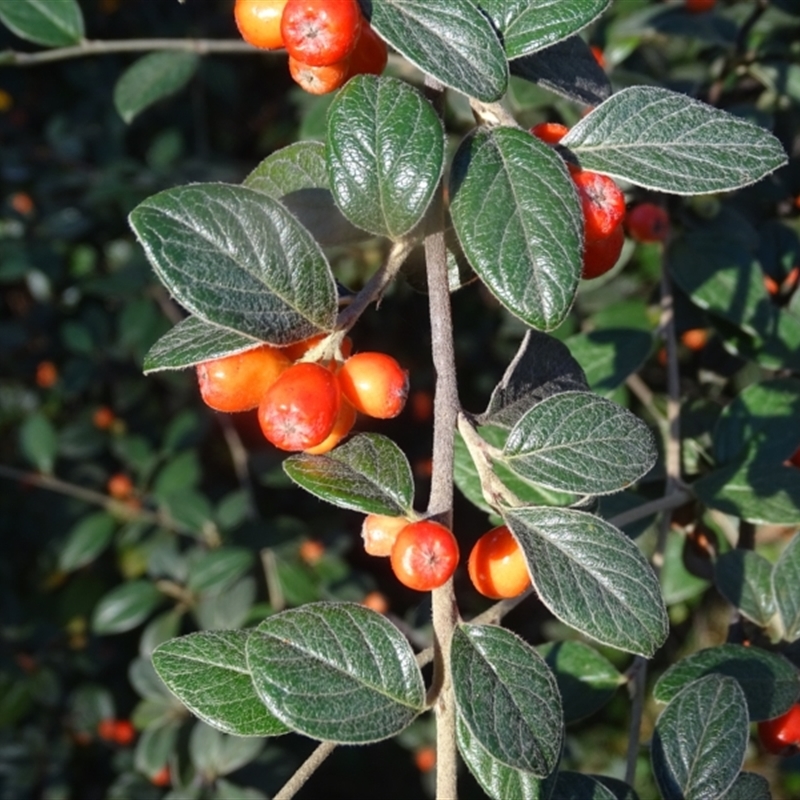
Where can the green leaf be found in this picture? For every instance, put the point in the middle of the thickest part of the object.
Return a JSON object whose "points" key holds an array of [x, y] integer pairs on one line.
{"points": [[669, 142], [786, 586], [516, 214], [586, 679], [744, 578], [451, 40], [297, 175], [527, 27], [125, 607], [236, 257], [214, 753], [610, 355], [749, 786], [155, 747], [179, 474], [580, 442], [39, 442], [152, 78], [507, 697], [577, 786], [227, 608], [498, 780], [86, 541], [769, 681], [336, 672], [700, 740], [52, 23], [591, 576], [370, 473], [208, 673], [217, 570], [385, 154], [193, 341]]}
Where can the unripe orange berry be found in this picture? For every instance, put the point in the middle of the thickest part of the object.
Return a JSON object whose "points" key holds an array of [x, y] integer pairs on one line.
{"points": [[22, 203], [311, 551], [343, 425], [424, 555], [46, 374], [379, 533], [497, 565], [103, 418], [120, 486], [425, 758], [259, 22], [695, 339], [376, 601], [600, 255], [300, 409], [647, 222], [550, 132], [319, 80], [375, 384]]}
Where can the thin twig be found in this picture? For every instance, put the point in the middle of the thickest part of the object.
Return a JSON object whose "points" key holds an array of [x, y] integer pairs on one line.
{"points": [[305, 771]]}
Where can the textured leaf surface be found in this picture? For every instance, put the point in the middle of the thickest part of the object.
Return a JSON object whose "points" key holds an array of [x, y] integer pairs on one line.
{"points": [[577, 786], [749, 786], [385, 154], [450, 40], [218, 569], [786, 585], [125, 607], [744, 578], [770, 682], [580, 442], [336, 672], [610, 355], [369, 474], [700, 740], [516, 214], [669, 142], [52, 23], [236, 257], [507, 697], [208, 673], [150, 79], [591, 576], [86, 541]]}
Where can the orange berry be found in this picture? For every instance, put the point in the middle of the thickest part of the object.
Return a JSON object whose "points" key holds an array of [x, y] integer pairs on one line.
{"points": [[375, 384], [424, 555], [598, 56], [300, 409], [120, 486], [162, 777], [46, 374], [311, 551], [259, 22], [497, 565], [320, 32], [370, 54], [343, 425], [124, 732], [379, 533], [550, 132], [771, 285], [602, 203], [695, 339], [600, 255], [376, 601], [238, 382], [22, 203], [425, 758], [319, 80], [647, 222], [103, 418]]}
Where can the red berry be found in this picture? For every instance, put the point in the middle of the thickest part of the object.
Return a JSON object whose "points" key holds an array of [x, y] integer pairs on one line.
{"points": [[300, 409], [647, 222], [425, 758], [120, 486], [124, 732], [598, 56], [698, 6], [370, 54], [599, 255], [106, 729], [781, 735], [602, 203], [103, 418], [497, 566], [550, 132], [46, 375], [162, 777], [320, 32], [424, 555], [259, 22], [375, 384]]}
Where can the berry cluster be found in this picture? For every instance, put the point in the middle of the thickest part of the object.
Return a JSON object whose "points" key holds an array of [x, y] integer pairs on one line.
{"points": [[328, 41], [305, 405]]}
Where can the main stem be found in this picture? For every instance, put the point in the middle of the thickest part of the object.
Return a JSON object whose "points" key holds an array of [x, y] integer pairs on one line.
{"points": [[440, 504]]}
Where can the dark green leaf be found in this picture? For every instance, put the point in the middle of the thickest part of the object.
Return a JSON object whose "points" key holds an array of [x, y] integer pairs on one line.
{"points": [[770, 682], [592, 576], [610, 355], [700, 740], [749, 786], [507, 697], [125, 607], [236, 257], [669, 142], [336, 672], [576, 786], [208, 673], [586, 680], [217, 570], [214, 753], [786, 586], [517, 218], [86, 541], [580, 442], [52, 23], [744, 578], [39, 442], [450, 40], [152, 78], [385, 154], [369, 474], [179, 474]]}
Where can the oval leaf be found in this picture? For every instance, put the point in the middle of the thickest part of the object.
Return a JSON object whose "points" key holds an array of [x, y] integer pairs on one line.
{"points": [[785, 583], [38, 441], [151, 78], [517, 217], [236, 257], [507, 697], [385, 154], [370, 473], [86, 541], [450, 40], [769, 681], [580, 442], [744, 578], [749, 786], [592, 576], [220, 568], [125, 607], [208, 673], [669, 142], [214, 753], [52, 23], [577, 786], [336, 672], [700, 740]]}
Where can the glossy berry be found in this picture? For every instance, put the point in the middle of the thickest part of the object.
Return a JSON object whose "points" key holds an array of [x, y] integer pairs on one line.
{"points": [[550, 132], [424, 555], [259, 22], [120, 486], [375, 384], [497, 565], [600, 255], [321, 32], [238, 382], [695, 339], [781, 735], [425, 758], [379, 533], [698, 6], [319, 80], [647, 222], [343, 425], [300, 409], [370, 55], [376, 601], [602, 203]]}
